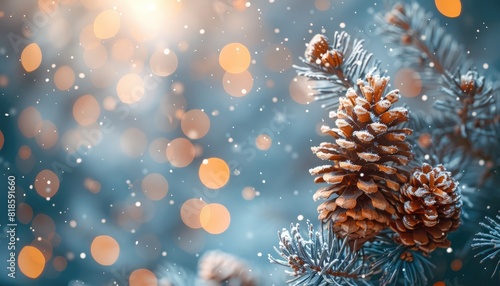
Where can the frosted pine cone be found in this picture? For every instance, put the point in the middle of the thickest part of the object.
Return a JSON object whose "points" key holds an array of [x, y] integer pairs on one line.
{"points": [[363, 177], [318, 52], [217, 268], [471, 83], [429, 207]]}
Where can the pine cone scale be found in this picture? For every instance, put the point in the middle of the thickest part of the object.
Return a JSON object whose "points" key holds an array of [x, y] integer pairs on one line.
{"points": [[348, 199], [367, 186]]}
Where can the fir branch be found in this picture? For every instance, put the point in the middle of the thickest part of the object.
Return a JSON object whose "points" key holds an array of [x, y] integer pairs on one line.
{"points": [[432, 145], [471, 99], [173, 275], [424, 45], [397, 264], [438, 140], [419, 41], [489, 241], [336, 67], [319, 258]]}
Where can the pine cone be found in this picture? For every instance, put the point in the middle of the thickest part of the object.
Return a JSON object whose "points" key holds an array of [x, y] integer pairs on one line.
{"points": [[362, 178], [318, 52], [429, 207], [217, 268], [397, 17], [471, 83]]}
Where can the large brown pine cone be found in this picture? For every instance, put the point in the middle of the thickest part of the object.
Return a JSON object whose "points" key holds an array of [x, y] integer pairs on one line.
{"points": [[429, 207], [368, 146]]}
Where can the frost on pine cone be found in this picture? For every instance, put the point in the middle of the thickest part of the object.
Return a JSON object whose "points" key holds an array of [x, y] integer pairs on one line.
{"points": [[429, 207], [363, 177], [318, 52]]}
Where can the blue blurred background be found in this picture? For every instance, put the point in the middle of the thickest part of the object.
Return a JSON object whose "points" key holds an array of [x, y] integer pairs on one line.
{"points": [[145, 133]]}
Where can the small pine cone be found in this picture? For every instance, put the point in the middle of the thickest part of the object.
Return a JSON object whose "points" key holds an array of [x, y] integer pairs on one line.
{"points": [[217, 268], [429, 207], [318, 52], [471, 83], [406, 39], [397, 17], [363, 178], [400, 8], [332, 59], [317, 47]]}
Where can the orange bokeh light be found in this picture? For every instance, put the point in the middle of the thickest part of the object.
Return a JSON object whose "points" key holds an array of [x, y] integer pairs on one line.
{"points": [[322, 5], [87, 37], [46, 135], [190, 212], [234, 58], [46, 183], [195, 124], [109, 103], [214, 173], [44, 246], [248, 193], [93, 4], [43, 226], [28, 121], [48, 7], [157, 150], [299, 89], [449, 8], [59, 263], [409, 82], [72, 140], [154, 186], [92, 185], [64, 77], [2, 139], [163, 62], [142, 277], [263, 142], [106, 24], [4, 80], [123, 49], [24, 213], [31, 57], [105, 250], [86, 110], [130, 88], [180, 152], [240, 5], [31, 261], [456, 264], [237, 85], [215, 218]]}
